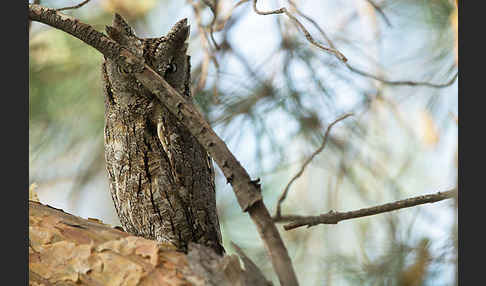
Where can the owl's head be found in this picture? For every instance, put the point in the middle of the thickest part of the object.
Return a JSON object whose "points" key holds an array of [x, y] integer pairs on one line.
{"points": [[165, 55]]}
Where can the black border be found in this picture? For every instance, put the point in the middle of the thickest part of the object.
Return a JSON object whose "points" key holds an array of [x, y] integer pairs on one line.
{"points": [[471, 142]]}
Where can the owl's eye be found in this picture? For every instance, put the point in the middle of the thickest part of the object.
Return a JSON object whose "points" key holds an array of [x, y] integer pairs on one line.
{"points": [[171, 68]]}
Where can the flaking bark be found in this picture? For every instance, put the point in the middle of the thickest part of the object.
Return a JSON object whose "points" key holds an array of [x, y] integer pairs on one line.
{"points": [[68, 250]]}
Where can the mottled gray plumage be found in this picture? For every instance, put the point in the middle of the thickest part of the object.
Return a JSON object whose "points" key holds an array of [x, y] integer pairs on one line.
{"points": [[161, 178]]}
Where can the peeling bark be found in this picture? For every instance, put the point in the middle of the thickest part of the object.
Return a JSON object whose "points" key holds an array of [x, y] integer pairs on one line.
{"points": [[68, 250]]}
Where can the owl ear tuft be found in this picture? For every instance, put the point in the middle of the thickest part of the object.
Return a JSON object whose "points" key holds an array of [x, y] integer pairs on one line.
{"points": [[120, 31], [122, 26], [124, 35], [179, 33], [174, 41]]}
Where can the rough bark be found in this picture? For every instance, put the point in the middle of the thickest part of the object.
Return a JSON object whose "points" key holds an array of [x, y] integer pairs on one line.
{"points": [[68, 250]]}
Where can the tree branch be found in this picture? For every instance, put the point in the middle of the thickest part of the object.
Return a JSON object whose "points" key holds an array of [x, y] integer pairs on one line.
{"points": [[380, 11], [307, 35], [402, 82], [87, 34], [74, 7], [214, 10], [247, 191], [363, 73], [333, 217], [301, 171]]}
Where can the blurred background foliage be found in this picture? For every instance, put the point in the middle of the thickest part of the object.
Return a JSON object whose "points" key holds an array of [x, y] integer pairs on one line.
{"points": [[270, 95]]}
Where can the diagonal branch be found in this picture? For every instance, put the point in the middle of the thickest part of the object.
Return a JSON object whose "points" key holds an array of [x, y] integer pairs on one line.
{"points": [[247, 191], [283, 196], [313, 22], [87, 34], [333, 217]]}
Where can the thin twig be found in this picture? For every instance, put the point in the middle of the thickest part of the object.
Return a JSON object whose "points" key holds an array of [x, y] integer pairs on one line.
{"points": [[222, 21], [208, 55], [240, 2], [333, 217], [210, 5], [403, 82], [283, 196], [380, 11], [313, 22], [74, 7], [214, 10], [360, 72], [307, 35]]}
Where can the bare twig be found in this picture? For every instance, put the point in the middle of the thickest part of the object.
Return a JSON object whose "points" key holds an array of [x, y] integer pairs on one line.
{"points": [[380, 11], [208, 55], [74, 7], [222, 22], [214, 10], [210, 5], [211, 34], [239, 3], [403, 82], [228, 15], [297, 10], [283, 196], [333, 217], [247, 191], [87, 34], [360, 72], [307, 35]]}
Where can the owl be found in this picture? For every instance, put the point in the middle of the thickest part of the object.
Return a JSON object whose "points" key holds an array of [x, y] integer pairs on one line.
{"points": [[161, 179]]}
